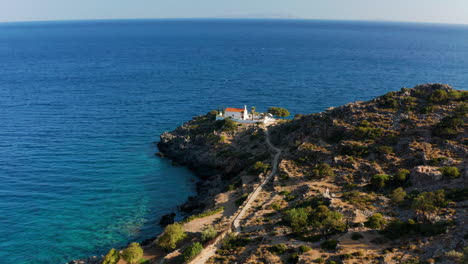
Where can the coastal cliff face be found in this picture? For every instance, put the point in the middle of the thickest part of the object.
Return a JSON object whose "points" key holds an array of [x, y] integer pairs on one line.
{"points": [[219, 152], [383, 181]]}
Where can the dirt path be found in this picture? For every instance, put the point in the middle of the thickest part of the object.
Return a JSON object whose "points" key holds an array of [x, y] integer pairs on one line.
{"points": [[209, 251], [236, 227]]}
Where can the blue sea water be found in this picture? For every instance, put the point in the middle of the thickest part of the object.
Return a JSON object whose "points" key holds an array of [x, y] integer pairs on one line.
{"points": [[82, 102]]}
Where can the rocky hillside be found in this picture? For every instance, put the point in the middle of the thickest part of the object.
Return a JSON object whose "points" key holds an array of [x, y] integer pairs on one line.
{"points": [[382, 181]]}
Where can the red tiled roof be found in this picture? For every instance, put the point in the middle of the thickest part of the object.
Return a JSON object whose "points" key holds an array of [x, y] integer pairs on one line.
{"points": [[234, 110]]}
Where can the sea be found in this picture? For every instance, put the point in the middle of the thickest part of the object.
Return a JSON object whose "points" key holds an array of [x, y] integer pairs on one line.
{"points": [[82, 103]]}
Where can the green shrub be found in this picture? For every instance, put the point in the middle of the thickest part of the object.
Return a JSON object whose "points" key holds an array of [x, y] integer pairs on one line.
{"points": [[285, 192], [330, 244], [388, 101], [303, 249], [297, 218], [450, 172], [278, 249], [398, 195], [437, 161], [278, 111], [232, 242], [366, 130], [428, 202], [208, 234], [192, 251], [319, 260], [346, 256], [438, 96], [112, 257], [450, 125], [173, 234], [323, 170], [380, 180], [275, 206], [427, 109], [402, 175], [354, 150], [204, 214], [356, 236], [376, 221], [356, 198], [241, 199], [385, 150], [260, 167], [133, 253]]}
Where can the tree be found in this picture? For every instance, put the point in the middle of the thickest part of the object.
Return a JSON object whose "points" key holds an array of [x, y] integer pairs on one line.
{"points": [[278, 111], [450, 172], [112, 257], [326, 221], [323, 170], [253, 112], [376, 221], [261, 167], [297, 218], [398, 195], [208, 234], [428, 202], [192, 251], [380, 180], [133, 254], [402, 175], [172, 235]]}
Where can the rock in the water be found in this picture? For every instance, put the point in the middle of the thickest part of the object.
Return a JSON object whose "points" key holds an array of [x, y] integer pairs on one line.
{"points": [[167, 219]]}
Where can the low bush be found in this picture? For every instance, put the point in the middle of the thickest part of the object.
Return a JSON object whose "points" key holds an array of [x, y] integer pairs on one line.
{"points": [[438, 96], [112, 257], [260, 167], [173, 234], [366, 130], [204, 214], [388, 101], [354, 150], [450, 172], [384, 150], [356, 198], [379, 181], [323, 170], [303, 249], [208, 234], [241, 199], [278, 249], [133, 253], [232, 242], [397, 228], [402, 175], [192, 251], [398, 195], [376, 221], [330, 244], [275, 206]]}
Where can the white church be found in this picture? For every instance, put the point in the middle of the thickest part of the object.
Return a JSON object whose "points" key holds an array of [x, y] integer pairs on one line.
{"points": [[242, 115]]}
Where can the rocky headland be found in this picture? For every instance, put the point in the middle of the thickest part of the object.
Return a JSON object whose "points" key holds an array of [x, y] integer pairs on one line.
{"points": [[382, 181]]}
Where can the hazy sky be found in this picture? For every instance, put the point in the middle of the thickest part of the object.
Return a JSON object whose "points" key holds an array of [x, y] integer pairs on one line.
{"points": [[438, 11]]}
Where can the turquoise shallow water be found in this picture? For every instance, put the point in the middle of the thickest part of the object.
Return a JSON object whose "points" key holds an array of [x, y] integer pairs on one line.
{"points": [[82, 102]]}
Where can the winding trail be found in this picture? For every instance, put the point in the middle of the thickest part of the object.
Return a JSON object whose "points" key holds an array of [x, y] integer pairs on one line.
{"points": [[210, 250]]}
